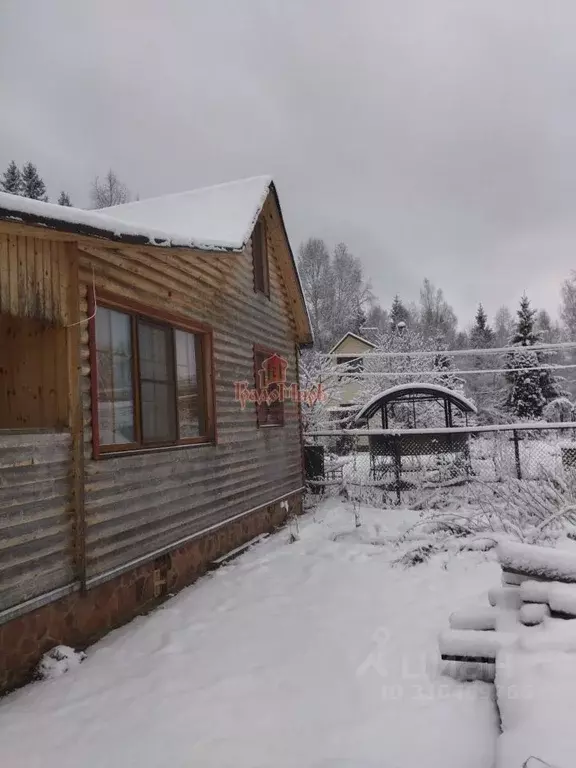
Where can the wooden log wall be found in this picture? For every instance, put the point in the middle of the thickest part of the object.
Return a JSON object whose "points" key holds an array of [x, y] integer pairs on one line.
{"points": [[33, 374], [140, 503], [35, 525]]}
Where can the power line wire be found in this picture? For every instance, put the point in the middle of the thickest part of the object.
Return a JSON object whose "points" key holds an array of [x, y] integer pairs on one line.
{"points": [[448, 371], [458, 352]]}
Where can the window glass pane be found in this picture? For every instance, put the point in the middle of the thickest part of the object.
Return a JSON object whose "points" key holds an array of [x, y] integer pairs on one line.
{"points": [[114, 360], [189, 383], [157, 402], [157, 390], [153, 347]]}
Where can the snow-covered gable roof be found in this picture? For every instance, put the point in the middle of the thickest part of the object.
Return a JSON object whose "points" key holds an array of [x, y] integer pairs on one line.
{"points": [[351, 335], [215, 218]]}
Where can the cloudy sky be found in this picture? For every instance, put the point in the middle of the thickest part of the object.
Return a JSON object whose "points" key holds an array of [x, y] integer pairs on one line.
{"points": [[435, 137]]}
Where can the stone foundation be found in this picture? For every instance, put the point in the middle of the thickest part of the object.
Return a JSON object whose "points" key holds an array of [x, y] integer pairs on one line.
{"points": [[80, 619]]}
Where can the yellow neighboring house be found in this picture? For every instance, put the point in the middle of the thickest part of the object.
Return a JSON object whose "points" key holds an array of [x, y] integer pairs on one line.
{"points": [[351, 349]]}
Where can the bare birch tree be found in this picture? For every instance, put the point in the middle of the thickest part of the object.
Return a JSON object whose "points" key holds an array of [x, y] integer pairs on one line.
{"points": [[108, 191]]}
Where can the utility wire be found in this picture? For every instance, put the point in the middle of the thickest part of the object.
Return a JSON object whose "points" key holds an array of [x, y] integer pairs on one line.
{"points": [[459, 352], [445, 372]]}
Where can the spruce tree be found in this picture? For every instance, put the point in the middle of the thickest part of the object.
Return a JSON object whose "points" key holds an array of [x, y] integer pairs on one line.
{"points": [[482, 335], [398, 312], [32, 185], [525, 396], [530, 390], [525, 334], [64, 199], [11, 180]]}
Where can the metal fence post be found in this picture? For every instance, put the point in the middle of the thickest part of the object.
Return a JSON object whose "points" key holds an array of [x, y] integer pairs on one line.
{"points": [[398, 467], [517, 454]]}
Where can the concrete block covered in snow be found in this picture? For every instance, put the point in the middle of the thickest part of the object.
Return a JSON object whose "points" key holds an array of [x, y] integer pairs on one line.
{"points": [[469, 671], [534, 591], [507, 598], [562, 598], [459, 644], [532, 614], [514, 579], [543, 562], [481, 619]]}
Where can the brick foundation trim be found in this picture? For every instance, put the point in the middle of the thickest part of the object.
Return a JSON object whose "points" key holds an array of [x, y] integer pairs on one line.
{"points": [[79, 619]]}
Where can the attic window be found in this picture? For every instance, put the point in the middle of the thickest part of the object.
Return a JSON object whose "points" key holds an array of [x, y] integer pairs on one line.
{"points": [[260, 259]]}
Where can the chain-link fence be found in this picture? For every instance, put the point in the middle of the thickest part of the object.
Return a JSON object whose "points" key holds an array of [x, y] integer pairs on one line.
{"points": [[406, 465]]}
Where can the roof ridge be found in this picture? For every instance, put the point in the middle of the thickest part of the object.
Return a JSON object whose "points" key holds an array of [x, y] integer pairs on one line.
{"points": [[172, 195]]}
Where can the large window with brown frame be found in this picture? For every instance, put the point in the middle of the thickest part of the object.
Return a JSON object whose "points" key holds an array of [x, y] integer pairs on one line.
{"points": [[152, 381]]}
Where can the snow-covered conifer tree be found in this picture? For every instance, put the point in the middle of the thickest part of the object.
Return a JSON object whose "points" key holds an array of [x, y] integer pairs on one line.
{"points": [[11, 180], [32, 185]]}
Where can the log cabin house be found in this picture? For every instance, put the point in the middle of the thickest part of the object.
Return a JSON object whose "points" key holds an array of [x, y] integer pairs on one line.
{"points": [[127, 465]]}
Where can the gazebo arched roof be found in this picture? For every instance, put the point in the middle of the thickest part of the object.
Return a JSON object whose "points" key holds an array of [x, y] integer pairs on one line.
{"points": [[398, 392]]}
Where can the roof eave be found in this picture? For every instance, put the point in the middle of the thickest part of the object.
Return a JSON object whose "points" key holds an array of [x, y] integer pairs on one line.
{"points": [[102, 233], [305, 339]]}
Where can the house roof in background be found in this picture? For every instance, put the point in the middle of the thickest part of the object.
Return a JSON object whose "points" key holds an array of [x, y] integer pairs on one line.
{"points": [[352, 336]]}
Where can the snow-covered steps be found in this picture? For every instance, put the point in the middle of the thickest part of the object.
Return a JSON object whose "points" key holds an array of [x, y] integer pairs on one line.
{"points": [[525, 641]]}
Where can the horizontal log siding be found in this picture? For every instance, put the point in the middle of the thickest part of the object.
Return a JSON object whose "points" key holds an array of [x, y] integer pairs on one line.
{"points": [[35, 527], [140, 503], [34, 277]]}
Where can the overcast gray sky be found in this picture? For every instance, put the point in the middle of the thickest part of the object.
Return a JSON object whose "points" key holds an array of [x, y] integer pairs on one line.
{"points": [[435, 137]]}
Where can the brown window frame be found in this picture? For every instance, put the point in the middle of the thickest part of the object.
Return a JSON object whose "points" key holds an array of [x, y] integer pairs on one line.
{"points": [[265, 352], [260, 261], [167, 320]]}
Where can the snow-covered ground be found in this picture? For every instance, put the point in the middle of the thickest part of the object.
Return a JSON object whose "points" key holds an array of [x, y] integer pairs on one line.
{"points": [[312, 654]]}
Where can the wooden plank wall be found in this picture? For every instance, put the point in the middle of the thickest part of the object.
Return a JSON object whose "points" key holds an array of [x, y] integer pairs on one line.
{"points": [[33, 374], [34, 277], [137, 504], [35, 526]]}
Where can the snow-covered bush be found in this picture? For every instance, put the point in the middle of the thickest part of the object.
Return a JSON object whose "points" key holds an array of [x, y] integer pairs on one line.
{"points": [[535, 512], [559, 409], [319, 374], [57, 661]]}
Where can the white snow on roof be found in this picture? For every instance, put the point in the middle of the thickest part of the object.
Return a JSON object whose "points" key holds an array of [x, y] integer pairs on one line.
{"points": [[76, 216], [415, 385], [354, 336], [222, 216], [213, 218]]}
